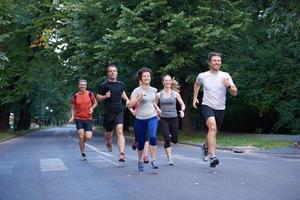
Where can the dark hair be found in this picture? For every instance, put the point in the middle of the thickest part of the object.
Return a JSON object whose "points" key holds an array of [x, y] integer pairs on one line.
{"points": [[142, 70], [211, 54], [112, 65]]}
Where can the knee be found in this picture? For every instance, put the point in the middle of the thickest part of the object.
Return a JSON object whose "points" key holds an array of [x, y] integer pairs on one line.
{"points": [[88, 137], [152, 141], [141, 145], [212, 128], [167, 144]]}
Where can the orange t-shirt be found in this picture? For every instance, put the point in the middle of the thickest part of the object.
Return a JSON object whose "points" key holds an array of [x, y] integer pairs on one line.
{"points": [[82, 104]]}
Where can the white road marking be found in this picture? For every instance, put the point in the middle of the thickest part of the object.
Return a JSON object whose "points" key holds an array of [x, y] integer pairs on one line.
{"points": [[54, 164]]}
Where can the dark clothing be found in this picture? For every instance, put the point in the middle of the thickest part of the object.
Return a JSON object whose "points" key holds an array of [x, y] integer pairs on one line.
{"points": [[86, 125], [207, 112], [114, 103], [111, 120], [169, 127]]}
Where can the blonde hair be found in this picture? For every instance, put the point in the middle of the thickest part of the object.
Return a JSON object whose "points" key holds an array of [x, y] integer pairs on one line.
{"points": [[174, 85]]}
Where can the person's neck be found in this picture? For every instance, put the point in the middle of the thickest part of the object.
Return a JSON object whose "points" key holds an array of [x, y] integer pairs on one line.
{"points": [[82, 91], [145, 86], [214, 71], [167, 90], [112, 80]]}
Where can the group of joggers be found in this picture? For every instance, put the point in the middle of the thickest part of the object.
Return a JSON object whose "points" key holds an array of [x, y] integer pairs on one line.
{"points": [[152, 109]]}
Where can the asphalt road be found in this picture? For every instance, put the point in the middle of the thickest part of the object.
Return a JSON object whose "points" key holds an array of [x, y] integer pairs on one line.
{"points": [[46, 165]]}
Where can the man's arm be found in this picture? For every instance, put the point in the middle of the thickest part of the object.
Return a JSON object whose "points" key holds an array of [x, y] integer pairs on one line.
{"points": [[72, 113], [101, 98], [125, 98], [232, 90], [94, 105], [195, 94]]}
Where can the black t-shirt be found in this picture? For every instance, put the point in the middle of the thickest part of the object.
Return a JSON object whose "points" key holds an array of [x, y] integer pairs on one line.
{"points": [[114, 103]]}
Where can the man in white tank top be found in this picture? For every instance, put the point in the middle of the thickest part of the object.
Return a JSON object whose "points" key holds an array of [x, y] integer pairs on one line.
{"points": [[215, 84]]}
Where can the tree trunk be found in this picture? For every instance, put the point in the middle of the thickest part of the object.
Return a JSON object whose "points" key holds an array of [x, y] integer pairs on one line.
{"points": [[4, 117], [24, 115]]}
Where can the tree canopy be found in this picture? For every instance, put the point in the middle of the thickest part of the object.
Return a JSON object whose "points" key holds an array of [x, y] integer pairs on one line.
{"points": [[47, 46]]}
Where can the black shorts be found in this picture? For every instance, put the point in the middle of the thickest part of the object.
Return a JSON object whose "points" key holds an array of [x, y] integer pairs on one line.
{"points": [[207, 112], [86, 125], [111, 120]]}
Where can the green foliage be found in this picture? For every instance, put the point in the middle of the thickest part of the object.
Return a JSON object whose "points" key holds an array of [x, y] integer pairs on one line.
{"points": [[78, 39]]}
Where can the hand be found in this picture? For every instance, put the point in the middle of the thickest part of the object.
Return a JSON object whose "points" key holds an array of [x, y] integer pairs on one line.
{"points": [[91, 110], [108, 94], [127, 103], [158, 111], [195, 102], [181, 113], [71, 120], [141, 95], [225, 82]]}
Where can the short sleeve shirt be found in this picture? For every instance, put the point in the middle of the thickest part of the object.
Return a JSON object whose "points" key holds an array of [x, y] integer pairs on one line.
{"points": [[146, 108], [82, 104], [114, 103], [214, 92]]}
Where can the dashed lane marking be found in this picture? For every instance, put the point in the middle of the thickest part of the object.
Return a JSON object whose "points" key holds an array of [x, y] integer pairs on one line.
{"points": [[53, 164]]}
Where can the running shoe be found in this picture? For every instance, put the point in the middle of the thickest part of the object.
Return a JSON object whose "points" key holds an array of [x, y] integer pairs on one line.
{"points": [[134, 146], [83, 156], [205, 154], [145, 159], [153, 164], [109, 146], [214, 161], [140, 166], [122, 157], [170, 161]]}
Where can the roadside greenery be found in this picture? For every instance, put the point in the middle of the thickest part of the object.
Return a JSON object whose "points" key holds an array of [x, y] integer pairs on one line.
{"points": [[227, 140]]}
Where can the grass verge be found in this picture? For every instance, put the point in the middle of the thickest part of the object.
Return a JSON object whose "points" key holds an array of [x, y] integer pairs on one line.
{"points": [[241, 140]]}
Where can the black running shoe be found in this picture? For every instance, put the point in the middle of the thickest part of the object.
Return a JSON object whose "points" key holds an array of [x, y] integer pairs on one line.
{"points": [[214, 162]]}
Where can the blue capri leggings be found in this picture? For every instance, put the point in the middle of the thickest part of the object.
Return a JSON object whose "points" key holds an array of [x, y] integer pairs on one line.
{"points": [[143, 127]]}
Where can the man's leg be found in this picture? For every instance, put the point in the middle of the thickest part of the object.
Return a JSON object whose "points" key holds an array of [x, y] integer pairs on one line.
{"points": [[211, 135], [121, 141], [81, 143], [108, 140], [211, 140]]}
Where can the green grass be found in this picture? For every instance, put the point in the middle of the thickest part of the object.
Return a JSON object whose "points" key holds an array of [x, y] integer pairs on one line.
{"points": [[7, 135], [11, 134], [227, 140], [236, 141]]}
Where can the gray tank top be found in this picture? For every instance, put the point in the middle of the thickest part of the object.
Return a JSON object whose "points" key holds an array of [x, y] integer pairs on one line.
{"points": [[168, 105]]}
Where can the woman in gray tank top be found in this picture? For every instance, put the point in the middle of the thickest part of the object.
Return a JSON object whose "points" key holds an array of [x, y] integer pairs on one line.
{"points": [[168, 117]]}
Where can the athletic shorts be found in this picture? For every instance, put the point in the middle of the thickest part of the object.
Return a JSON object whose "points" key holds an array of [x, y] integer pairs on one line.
{"points": [[86, 125], [111, 120], [207, 112]]}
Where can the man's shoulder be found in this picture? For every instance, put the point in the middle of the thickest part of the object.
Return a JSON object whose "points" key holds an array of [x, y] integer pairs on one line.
{"points": [[224, 73], [203, 74]]}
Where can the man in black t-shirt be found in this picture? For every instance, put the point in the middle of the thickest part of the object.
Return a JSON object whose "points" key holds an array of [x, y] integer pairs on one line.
{"points": [[112, 92]]}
